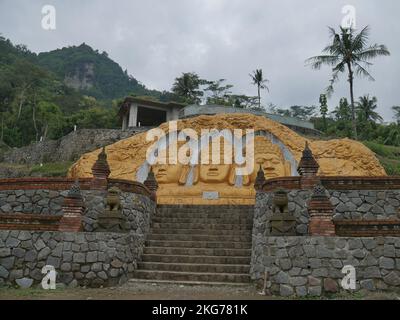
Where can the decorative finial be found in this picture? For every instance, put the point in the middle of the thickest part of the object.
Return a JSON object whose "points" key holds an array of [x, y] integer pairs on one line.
{"points": [[101, 169], [151, 181], [260, 179], [75, 191], [308, 166]]}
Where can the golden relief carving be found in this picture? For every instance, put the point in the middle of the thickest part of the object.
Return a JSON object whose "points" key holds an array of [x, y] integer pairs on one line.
{"points": [[342, 157]]}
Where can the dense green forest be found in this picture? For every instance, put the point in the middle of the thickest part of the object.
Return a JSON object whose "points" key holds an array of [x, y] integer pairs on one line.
{"points": [[108, 80], [37, 102]]}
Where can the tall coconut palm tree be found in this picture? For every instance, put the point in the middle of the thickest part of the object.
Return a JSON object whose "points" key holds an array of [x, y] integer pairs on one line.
{"points": [[349, 52], [260, 82], [366, 107]]}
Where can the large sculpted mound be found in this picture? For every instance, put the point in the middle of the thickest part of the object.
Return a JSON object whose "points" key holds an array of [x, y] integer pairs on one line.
{"points": [[277, 149]]}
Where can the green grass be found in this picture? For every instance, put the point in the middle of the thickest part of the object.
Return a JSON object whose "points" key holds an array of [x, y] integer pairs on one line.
{"points": [[55, 169], [389, 156]]}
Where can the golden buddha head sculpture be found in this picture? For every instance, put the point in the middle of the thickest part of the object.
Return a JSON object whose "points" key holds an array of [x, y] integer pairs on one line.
{"points": [[166, 172], [271, 159], [220, 172]]}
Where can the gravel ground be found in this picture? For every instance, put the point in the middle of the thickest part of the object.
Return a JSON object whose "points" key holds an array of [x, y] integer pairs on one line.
{"points": [[152, 291]]}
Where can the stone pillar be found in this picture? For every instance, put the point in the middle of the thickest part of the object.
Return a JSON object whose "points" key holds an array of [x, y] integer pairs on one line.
{"points": [[133, 111], [151, 184], [100, 171], [320, 210], [73, 209], [308, 168], [260, 179]]}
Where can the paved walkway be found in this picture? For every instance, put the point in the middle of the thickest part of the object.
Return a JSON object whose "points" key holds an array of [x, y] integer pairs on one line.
{"points": [[151, 291]]}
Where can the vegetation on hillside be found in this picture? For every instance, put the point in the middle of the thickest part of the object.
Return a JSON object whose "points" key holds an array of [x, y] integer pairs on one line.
{"points": [[36, 103], [109, 81]]}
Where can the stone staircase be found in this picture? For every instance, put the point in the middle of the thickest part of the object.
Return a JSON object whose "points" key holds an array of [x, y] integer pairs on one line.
{"points": [[198, 244]]}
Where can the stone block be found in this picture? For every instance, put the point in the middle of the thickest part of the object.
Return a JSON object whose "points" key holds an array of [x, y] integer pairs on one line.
{"points": [[282, 278], [79, 258], [368, 284], [386, 263], [285, 290], [389, 251], [315, 291], [392, 279]]}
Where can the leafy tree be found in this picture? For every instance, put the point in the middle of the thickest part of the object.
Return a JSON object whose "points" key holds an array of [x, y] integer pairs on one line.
{"points": [[243, 101], [366, 108], [392, 135], [220, 92], [342, 112], [50, 118], [302, 112], [258, 80], [396, 110], [187, 87], [349, 51], [323, 108]]}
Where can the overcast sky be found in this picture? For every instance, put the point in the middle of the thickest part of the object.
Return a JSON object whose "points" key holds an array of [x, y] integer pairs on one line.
{"points": [[156, 40]]}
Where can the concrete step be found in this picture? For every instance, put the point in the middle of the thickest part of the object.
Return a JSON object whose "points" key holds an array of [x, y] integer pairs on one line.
{"points": [[194, 267], [157, 219], [192, 276], [201, 226], [199, 244], [200, 231], [198, 251], [198, 237], [190, 283], [195, 259], [205, 215], [200, 208]]}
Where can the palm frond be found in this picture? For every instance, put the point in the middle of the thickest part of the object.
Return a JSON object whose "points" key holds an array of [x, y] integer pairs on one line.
{"points": [[317, 61], [361, 39], [360, 70], [373, 52], [332, 81]]}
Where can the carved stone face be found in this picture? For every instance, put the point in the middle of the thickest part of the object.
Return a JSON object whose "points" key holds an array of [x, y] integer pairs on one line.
{"points": [[271, 164], [167, 173], [214, 173]]}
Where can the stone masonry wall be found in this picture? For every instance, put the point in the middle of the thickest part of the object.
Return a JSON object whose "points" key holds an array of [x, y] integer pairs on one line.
{"points": [[312, 265], [137, 208], [67, 148], [348, 204], [297, 206], [366, 204], [86, 259]]}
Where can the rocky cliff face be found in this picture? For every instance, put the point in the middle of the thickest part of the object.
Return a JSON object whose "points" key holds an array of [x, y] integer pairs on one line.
{"points": [[82, 78]]}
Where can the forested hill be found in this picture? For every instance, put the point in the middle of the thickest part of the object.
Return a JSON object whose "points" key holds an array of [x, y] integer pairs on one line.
{"points": [[45, 95], [92, 73]]}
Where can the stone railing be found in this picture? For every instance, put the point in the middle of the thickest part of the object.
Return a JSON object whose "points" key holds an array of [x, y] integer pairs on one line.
{"points": [[367, 228], [336, 183], [57, 183], [361, 183], [46, 196]]}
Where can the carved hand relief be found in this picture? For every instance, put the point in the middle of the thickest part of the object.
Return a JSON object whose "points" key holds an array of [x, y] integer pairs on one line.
{"points": [[277, 152]]}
